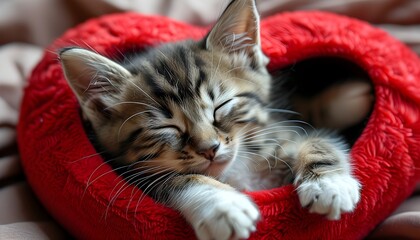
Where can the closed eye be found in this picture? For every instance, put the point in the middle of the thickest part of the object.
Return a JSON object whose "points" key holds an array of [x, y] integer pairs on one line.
{"points": [[221, 111], [221, 105], [170, 126]]}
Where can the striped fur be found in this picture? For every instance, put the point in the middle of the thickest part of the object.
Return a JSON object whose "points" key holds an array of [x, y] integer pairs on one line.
{"points": [[188, 121], [177, 100]]}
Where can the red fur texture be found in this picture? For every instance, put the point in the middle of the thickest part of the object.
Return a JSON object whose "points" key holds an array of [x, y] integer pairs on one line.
{"points": [[77, 187]]}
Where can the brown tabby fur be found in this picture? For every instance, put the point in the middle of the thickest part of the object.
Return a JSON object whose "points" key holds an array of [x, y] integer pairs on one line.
{"points": [[188, 118]]}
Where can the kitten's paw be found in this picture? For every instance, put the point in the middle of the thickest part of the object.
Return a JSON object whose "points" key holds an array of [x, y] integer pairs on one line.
{"points": [[232, 216], [330, 195]]}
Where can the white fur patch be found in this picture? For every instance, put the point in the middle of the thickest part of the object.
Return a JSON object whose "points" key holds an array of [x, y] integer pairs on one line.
{"points": [[330, 195], [217, 213]]}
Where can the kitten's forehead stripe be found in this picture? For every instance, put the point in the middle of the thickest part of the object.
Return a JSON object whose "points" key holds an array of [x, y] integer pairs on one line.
{"points": [[202, 77], [199, 61], [166, 111], [150, 79], [211, 94], [183, 53], [164, 69]]}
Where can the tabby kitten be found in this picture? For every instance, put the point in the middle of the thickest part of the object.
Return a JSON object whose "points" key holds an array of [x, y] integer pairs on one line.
{"points": [[191, 124]]}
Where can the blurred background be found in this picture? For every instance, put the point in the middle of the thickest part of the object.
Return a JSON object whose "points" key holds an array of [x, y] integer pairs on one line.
{"points": [[38, 22], [27, 27]]}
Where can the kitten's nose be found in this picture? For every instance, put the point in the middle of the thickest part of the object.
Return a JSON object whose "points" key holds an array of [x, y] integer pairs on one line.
{"points": [[209, 152]]}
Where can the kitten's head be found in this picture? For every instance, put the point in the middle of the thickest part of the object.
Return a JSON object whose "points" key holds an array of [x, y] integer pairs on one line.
{"points": [[185, 107]]}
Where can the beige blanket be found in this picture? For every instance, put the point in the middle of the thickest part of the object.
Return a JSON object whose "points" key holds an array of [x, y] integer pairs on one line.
{"points": [[28, 26]]}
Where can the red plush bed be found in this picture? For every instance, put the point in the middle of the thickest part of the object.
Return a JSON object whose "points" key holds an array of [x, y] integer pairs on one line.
{"points": [[78, 188]]}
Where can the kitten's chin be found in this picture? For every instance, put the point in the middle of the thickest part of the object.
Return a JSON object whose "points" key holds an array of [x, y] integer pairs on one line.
{"points": [[222, 162], [215, 169], [218, 166]]}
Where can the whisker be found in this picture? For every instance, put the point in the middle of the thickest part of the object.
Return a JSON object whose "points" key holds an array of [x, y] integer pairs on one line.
{"points": [[147, 95], [258, 155], [276, 158], [128, 119], [138, 103], [89, 182], [128, 181], [146, 190], [276, 125], [301, 122], [103, 174], [235, 68], [277, 110], [276, 140], [331, 171], [88, 156], [97, 168], [261, 134]]}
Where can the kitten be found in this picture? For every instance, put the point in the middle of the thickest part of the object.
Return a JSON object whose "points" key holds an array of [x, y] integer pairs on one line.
{"points": [[191, 123]]}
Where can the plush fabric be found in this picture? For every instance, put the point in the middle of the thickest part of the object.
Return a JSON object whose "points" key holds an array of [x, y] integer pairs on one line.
{"points": [[78, 188]]}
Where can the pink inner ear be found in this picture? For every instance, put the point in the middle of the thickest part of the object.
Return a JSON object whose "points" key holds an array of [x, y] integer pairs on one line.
{"points": [[91, 201], [237, 29], [90, 73], [80, 70]]}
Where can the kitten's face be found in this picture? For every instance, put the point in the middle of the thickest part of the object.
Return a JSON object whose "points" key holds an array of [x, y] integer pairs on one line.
{"points": [[187, 107], [193, 112]]}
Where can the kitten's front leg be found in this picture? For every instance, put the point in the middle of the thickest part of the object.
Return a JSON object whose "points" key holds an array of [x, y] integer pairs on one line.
{"points": [[215, 210], [323, 178]]}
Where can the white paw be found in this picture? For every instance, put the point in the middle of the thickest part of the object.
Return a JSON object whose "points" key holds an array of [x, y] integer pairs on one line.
{"points": [[230, 215], [330, 195]]}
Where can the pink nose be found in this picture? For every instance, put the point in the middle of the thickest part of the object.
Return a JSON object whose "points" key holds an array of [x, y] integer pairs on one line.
{"points": [[210, 152]]}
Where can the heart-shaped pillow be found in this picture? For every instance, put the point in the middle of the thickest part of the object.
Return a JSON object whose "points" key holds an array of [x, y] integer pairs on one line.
{"points": [[83, 193]]}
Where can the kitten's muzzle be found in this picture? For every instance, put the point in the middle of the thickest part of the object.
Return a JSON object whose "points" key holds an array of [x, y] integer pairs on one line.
{"points": [[209, 152]]}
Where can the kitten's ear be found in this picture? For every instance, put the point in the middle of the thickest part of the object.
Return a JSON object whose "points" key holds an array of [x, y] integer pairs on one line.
{"points": [[95, 79], [238, 30]]}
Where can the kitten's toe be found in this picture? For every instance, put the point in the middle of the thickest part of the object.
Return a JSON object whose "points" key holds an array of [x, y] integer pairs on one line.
{"points": [[330, 195], [233, 216]]}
